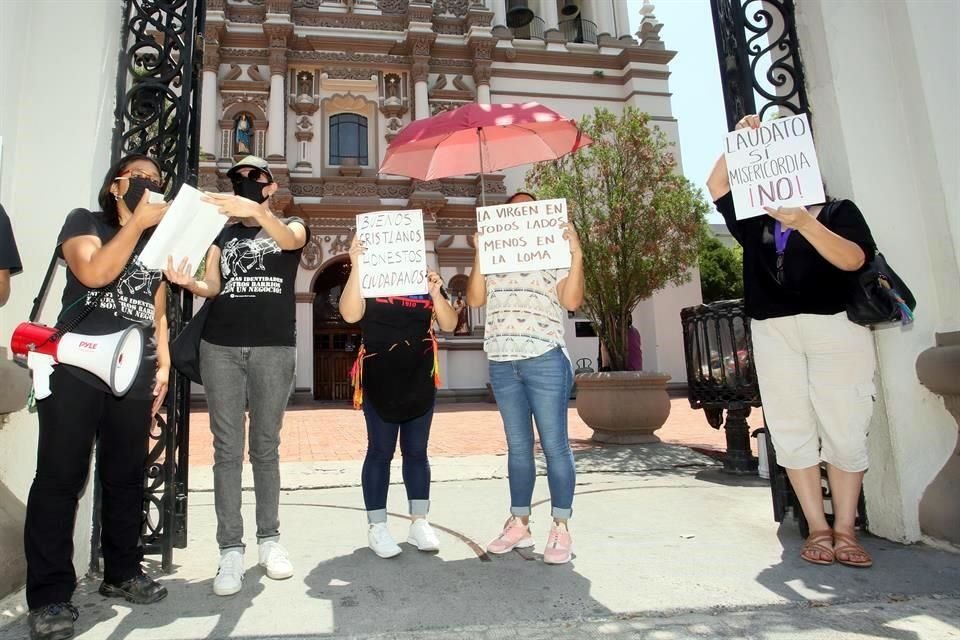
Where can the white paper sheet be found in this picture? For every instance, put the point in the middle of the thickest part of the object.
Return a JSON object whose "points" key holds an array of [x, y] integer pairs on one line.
{"points": [[525, 236], [186, 231]]}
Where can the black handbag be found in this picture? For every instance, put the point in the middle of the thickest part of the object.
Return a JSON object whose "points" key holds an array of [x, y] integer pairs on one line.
{"points": [[185, 348], [879, 296]]}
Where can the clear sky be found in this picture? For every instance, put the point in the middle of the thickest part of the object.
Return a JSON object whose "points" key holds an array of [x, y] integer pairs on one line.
{"points": [[694, 82]]}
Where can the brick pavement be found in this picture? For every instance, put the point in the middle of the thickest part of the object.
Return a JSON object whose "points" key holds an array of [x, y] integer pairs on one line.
{"points": [[329, 432]]}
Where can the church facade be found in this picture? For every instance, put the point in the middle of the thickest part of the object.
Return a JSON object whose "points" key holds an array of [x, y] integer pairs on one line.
{"points": [[320, 87]]}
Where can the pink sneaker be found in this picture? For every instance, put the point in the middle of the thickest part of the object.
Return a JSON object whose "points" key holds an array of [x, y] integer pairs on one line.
{"points": [[515, 535], [559, 547]]}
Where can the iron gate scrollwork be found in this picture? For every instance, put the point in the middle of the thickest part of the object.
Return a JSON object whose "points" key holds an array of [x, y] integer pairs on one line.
{"points": [[158, 113], [759, 58]]}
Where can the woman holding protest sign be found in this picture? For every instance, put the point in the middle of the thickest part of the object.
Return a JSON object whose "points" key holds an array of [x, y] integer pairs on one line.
{"points": [[248, 359], [395, 379], [531, 378], [815, 367]]}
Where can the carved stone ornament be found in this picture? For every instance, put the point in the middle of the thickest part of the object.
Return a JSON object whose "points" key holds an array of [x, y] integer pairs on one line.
{"points": [[340, 73], [230, 99], [238, 53], [393, 7], [355, 58], [482, 49], [312, 256], [420, 71], [451, 7], [211, 57], [482, 73], [234, 72]]}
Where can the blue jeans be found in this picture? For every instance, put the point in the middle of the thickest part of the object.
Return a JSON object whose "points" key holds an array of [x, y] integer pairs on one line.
{"points": [[381, 444], [236, 380], [539, 389]]}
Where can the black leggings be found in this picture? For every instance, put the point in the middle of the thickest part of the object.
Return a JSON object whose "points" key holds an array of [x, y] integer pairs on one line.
{"points": [[71, 419]]}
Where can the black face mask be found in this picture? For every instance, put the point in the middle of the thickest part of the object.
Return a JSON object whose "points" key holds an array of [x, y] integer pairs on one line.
{"points": [[135, 189], [249, 189]]}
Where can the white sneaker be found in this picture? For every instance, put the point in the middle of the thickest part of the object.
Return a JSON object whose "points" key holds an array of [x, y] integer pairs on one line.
{"points": [[274, 558], [230, 574], [381, 542], [422, 536]]}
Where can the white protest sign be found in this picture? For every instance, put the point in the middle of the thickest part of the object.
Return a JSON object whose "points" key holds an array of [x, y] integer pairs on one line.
{"points": [[395, 262], [774, 165], [525, 236]]}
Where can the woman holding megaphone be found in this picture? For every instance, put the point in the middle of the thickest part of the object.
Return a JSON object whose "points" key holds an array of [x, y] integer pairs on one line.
{"points": [[107, 291]]}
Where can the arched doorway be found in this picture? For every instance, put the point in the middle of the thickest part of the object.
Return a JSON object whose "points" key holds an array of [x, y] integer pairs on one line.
{"points": [[335, 342]]}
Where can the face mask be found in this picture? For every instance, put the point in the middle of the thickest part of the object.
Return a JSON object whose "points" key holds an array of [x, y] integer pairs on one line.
{"points": [[249, 189], [135, 189]]}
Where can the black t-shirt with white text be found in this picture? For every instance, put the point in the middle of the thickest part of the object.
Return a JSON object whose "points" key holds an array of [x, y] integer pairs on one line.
{"points": [[810, 283], [397, 370], [256, 306], [129, 301]]}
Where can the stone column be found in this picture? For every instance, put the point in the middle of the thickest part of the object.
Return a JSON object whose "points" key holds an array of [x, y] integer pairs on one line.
{"points": [[482, 49], [499, 11], [550, 17], [278, 35], [276, 112], [209, 127], [603, 14], [622, 18], [421, 70]]}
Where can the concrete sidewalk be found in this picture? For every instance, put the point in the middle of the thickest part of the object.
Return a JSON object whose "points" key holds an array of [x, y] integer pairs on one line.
{"points": [[666, 547]]}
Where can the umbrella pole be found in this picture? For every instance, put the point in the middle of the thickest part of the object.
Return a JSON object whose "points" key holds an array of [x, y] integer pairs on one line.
{"points": [[483, 191]]}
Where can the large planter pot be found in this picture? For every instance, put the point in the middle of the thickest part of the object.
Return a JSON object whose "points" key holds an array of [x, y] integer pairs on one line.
{"points": [[623, 407]]}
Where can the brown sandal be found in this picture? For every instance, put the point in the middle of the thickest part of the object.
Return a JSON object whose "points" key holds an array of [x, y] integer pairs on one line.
{"points": [[846, 548], [814, 551]]}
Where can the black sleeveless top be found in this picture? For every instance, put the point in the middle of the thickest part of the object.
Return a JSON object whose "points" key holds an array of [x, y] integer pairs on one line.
{"points": [[398, 364]]}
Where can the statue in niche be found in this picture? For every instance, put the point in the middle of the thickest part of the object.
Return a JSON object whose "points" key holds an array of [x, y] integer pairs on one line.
{"points": [[304, 84], [243, 133], [392, 89]]}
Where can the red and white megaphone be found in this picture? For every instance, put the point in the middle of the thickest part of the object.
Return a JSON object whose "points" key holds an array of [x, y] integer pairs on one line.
{"points": [[114, 358]]}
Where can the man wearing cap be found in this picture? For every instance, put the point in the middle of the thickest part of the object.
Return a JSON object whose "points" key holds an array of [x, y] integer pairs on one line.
{"points": [[247, 359]]}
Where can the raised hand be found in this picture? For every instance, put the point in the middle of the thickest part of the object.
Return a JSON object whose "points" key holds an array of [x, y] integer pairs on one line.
{"points": [[148, 214], [182, 276], [356, 250]]}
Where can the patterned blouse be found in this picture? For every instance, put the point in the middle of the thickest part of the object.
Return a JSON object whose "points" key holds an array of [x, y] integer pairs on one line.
{"points": [[524, 315]]}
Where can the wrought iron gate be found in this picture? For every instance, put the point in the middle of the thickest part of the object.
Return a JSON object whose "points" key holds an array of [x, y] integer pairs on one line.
{"points": [[158, 113], [760, 68]]}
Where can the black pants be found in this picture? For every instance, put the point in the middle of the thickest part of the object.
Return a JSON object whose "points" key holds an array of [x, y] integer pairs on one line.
{"points": [[71, 419]]}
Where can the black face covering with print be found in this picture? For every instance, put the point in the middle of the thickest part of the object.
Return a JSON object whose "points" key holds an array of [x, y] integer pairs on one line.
{"points": [[135, 189], [249, 189]]}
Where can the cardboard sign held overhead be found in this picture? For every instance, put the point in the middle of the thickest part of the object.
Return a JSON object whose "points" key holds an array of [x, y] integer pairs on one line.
{"points": [[395, 263], [525, 236], [774, 165]]}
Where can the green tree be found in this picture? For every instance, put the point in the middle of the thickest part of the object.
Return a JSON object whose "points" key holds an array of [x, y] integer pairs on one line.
{"points": [[721, 271], [640, 222]]}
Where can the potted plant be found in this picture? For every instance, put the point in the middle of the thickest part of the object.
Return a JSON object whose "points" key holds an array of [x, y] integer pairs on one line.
{"points": [[641, 225]]}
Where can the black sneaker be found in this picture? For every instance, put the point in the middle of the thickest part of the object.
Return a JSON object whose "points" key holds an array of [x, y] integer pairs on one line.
{"points": [[140, 589], [53, 621]]}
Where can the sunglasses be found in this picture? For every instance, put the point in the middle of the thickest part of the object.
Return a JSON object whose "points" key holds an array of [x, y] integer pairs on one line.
{"points": [[253, 174], [153, 181]]}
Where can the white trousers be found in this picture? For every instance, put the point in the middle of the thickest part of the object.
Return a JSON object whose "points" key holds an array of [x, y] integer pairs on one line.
{"points": [[816, 381]]}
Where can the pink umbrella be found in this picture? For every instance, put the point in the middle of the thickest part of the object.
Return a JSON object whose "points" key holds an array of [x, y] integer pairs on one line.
{"points": [[476, 138]]}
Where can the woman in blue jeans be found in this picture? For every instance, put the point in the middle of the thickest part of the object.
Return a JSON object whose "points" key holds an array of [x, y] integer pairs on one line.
{"points": [[247, 360], [531, 379], [395, 381]]}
